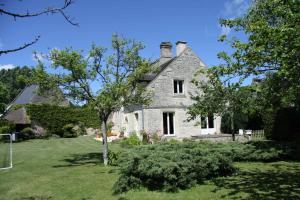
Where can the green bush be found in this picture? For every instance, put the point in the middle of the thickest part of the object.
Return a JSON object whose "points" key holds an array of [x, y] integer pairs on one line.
{"points": [[169, 167], [6, 127], [132, 140], [27, 133], [113, 158], [68, 131]]}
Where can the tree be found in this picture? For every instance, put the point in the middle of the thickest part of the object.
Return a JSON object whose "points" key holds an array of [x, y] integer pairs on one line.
{"points": [[116, 78], [216, 96], [270, 52], [50, 10], [12, 82]]}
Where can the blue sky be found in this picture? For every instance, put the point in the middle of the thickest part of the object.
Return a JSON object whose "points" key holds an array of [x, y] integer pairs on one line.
{"points": [[194, 21]]}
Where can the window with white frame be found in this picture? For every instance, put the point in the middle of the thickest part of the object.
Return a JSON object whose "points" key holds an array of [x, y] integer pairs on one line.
{"points": [[207, 122], [168, 123], [178, 87]]}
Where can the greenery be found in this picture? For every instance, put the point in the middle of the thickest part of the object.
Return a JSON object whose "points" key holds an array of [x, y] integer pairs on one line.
{"points": [[6, 127], [270, 53], [12, 82], [55, 167], [117, 76], [68, 131], [54, 118], [132, 140], [26, 134]]}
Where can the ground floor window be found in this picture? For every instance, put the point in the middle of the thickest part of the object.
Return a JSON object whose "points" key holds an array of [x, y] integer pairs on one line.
{"points": [[207, 122], [168, 123]]}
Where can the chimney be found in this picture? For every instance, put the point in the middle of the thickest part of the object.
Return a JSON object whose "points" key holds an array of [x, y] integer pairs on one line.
{"points": [[165, 52], [180, 47]]}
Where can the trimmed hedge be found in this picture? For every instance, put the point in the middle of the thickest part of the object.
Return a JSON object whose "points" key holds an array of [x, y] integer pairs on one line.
{"points": [[54, 118]]}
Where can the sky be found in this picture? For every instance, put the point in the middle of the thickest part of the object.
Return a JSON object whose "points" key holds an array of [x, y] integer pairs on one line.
{"points": [[148, 21]]}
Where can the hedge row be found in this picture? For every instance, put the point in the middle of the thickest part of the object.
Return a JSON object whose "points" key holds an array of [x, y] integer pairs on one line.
{"points": [[54, 118]]}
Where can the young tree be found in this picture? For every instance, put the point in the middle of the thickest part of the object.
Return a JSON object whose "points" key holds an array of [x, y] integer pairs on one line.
{"points": [[106, 84], [271, 51], [49, 10]]}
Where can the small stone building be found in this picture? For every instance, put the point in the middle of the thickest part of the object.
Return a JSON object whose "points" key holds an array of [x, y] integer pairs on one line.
{"points": [[171, 87]]}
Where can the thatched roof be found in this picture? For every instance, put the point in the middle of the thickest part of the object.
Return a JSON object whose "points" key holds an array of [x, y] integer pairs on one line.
{"points": [[18, 116]]}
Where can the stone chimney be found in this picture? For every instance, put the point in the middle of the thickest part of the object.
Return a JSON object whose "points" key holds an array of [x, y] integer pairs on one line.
{"points": [[180, 47], [165, 52]]}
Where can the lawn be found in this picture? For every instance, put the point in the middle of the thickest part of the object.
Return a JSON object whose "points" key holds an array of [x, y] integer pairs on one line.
{"points": [[72, 169]]}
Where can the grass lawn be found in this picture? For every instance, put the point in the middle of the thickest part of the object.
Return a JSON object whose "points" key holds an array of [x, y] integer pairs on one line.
{"points": [[71, 169]]}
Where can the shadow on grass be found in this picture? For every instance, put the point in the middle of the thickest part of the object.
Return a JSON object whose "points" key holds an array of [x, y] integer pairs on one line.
{"points": [[282, 182], [82, 159]]}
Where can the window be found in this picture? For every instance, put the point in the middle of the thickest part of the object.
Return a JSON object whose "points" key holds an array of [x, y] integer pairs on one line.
{"points": [[207, 122], [178, 87], [168, 123]]}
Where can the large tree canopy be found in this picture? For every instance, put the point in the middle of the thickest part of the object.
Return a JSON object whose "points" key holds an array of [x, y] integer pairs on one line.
{"points": [[270, 52], [105, 82]]}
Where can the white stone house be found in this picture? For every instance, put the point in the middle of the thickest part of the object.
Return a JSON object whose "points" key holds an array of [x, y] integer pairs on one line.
{"points": [[171, 87]]}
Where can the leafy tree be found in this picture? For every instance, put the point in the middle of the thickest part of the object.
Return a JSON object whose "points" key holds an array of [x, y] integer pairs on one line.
{"points": [[49, 10], [270, 52], [115, 77], [12, 82]]}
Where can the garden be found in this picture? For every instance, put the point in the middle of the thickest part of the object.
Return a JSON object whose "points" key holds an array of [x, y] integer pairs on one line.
{"points": [[71, 168]]}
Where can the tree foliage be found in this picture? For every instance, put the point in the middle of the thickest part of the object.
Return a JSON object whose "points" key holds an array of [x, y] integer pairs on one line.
{"points": [[104, 82], [12, 82], [270, 52]]}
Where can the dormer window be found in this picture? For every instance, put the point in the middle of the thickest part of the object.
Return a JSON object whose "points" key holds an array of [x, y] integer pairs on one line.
{"points": [[178, 87]]}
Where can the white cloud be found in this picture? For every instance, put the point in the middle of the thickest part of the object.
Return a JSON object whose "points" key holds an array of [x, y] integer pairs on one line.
{"points": [[233, 9], [225, 30], [7, 66]]}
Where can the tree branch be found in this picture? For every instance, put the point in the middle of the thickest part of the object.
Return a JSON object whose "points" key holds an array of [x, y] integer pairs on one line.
{"points": [[21, 47], [49, 10]]}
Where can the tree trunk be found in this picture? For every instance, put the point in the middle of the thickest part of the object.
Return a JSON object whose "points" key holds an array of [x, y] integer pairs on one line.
{"points": [[232, 126], [104, 141]]}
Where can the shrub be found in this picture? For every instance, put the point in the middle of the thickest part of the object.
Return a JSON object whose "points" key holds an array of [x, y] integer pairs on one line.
{"points": [[5, 130], [6, 127], [68, 131], [132, 140], [113, 158], [169, 167], [27, 133]]}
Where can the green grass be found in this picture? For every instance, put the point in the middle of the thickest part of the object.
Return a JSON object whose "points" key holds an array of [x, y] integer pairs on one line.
{"points": [[71, 169]]}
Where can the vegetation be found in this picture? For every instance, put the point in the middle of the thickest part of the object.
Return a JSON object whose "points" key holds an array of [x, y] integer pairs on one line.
{"points": [[6, 127], [116, 76], [71, 168], [12, 82], [270, 52], [170, 166], [54, 118]]}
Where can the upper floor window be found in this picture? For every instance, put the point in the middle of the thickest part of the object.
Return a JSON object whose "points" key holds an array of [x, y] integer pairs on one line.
{"points": [[178, 87]]}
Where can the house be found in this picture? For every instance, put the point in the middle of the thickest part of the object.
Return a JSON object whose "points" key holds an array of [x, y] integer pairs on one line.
{"points": [[172, 88], [29, 95]]}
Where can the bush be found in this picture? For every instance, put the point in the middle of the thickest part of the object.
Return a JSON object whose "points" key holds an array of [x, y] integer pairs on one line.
{"points": [[68, 131], [169, 167], [113, 158], [132, 140], [27, 133], [6, 127]]}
